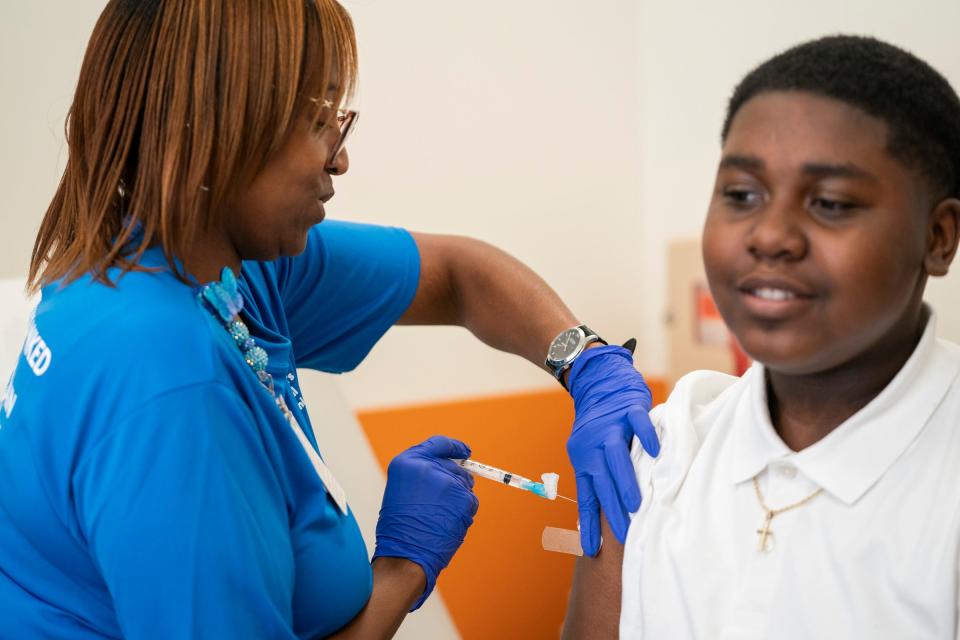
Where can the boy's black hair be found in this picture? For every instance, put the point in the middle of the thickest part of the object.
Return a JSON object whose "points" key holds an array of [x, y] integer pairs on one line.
{"points": [[919, 106]]}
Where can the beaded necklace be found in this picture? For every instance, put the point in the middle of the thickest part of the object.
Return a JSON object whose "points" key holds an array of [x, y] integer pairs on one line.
{"points": [[223, 299]]}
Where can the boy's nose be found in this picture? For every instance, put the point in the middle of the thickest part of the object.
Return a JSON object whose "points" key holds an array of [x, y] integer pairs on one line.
{"points": [[777, 234]]}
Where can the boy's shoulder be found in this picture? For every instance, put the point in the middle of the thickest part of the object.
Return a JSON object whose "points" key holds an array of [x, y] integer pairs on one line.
{"points": [[699, 396], [700, 403]]}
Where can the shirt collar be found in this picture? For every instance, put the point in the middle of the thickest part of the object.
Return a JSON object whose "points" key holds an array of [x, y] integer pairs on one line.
{"points": [[855, 455], [753, 442]]}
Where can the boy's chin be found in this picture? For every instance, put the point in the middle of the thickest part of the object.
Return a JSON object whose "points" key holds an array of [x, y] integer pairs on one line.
{"points": [[790, 355]]}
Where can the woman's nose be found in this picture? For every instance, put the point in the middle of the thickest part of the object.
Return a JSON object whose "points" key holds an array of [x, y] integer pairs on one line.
{"points": [[340, 163]]}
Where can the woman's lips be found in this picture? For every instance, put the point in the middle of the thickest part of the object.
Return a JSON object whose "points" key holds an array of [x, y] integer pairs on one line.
{"points": [[321, 200]]}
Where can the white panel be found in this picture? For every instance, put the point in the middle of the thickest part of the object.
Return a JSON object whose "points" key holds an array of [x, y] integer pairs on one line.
{"points": [[15, 312], [346, 451]]}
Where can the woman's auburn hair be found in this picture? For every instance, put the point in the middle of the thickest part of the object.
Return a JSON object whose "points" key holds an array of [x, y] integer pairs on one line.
{"points": [[178, 104]]}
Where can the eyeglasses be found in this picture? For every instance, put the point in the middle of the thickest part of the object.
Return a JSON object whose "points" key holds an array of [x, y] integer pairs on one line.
{"points": [[346, 122]]}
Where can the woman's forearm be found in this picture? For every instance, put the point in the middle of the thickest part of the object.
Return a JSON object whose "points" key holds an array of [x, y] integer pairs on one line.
{"points": [[500, 300], [508, 306], [397, 583]]}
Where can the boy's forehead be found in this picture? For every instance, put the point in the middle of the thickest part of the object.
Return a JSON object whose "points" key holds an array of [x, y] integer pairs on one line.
{"points": [[790, 134], [808, 127]]}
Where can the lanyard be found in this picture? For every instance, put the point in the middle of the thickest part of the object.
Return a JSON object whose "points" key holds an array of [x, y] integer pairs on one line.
{"points": [[323, 471]]}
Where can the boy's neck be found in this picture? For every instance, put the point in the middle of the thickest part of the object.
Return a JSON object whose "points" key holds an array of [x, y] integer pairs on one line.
{"points": [[805, 408]]}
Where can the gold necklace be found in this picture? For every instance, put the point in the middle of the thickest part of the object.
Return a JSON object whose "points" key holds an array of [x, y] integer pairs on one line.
{"points": [[766, 535]]}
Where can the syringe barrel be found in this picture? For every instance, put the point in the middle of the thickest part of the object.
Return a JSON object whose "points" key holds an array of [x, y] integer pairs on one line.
{"points": [[498, 475]]}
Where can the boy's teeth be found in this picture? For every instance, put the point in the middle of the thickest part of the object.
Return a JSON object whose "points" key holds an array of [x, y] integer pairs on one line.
{"points": [[773, 294]]}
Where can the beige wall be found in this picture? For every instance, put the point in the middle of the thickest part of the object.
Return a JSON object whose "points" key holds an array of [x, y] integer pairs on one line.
{"points": [[581, 137], [623, 104], [515, 122], [41, 47]]}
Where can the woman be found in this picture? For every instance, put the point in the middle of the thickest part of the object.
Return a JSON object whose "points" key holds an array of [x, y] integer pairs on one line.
{"points": [[161, 477]]}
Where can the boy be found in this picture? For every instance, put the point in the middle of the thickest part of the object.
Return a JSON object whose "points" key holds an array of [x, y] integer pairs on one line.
{"points": [[816, 496]]}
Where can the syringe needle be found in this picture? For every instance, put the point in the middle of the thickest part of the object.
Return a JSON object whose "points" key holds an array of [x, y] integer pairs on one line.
{"points": [[567, 499]]}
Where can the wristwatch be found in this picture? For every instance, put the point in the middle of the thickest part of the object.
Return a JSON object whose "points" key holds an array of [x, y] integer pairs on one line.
{"points": [[567, 347]]}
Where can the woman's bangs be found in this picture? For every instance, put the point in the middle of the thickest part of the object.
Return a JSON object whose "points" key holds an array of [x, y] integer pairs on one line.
{"points": [[329, 66]]}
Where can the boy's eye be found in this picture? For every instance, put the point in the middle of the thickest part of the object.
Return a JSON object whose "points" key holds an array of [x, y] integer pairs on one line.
{"points": [[742, 197], [831, 208]]}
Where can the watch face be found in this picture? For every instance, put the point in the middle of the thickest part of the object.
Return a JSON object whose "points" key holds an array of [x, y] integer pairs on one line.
{"points": [[565, 345]]}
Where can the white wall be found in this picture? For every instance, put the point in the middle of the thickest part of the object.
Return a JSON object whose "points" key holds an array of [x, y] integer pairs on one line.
{"points": [[620, 109], [515, 122], [41, 47], [580, 137]]}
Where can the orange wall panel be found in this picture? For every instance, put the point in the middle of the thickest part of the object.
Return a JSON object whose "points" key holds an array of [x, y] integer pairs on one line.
{"points": [[501, 583]]}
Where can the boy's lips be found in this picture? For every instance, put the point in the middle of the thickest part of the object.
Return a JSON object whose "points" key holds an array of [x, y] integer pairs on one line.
{"points": [[774, 297]]}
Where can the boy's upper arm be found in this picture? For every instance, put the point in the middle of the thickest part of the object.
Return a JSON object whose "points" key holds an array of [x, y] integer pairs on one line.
{"points": [[594, 607], [596, 598]]}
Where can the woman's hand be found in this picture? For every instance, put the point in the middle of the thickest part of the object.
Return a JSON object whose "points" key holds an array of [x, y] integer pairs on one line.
{"points": [[427, 507], [611, 401]]}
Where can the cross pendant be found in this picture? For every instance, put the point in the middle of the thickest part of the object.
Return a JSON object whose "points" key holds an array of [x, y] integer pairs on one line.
{"points": [[766, 534]]}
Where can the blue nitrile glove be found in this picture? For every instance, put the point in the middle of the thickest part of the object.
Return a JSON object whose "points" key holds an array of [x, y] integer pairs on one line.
{"points": [[611, 402], [427, 507]]}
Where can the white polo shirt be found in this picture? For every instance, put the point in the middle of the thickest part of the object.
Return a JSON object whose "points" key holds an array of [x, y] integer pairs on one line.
{"points": [[874, 556]]}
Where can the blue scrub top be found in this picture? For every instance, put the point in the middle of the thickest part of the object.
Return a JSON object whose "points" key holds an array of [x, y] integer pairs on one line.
{"points": [[149, 485]]}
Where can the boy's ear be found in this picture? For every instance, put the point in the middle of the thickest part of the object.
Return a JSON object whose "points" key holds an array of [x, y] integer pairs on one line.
{"points": [[943, 231]]}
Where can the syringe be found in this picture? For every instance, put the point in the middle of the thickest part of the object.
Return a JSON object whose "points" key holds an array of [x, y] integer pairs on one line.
{"points": [[546, 489]]}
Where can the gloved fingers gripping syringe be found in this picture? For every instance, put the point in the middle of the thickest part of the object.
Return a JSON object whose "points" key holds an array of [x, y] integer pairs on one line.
{"points": [[546, 489]]}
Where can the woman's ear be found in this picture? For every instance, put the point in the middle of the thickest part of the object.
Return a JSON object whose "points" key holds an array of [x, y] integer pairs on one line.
{"points": [[942, 236]]}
